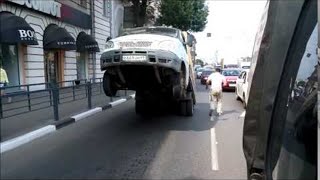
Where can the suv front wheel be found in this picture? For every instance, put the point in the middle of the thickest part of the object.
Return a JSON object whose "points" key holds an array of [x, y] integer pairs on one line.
{"points": [[109, 86]]}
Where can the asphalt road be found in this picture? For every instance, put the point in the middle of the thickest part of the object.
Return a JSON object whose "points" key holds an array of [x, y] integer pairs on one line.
{"points": [[119, 144]]}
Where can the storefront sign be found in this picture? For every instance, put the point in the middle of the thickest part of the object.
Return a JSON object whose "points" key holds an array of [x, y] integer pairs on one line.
{"points": [[26, 34], [66, 43], [59, 10], [48, 6], [91, 46]]}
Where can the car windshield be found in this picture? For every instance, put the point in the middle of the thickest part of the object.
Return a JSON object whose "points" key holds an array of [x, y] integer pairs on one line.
{"points": [[231, 72], [207, 73], [200, 69], [152, 30]]}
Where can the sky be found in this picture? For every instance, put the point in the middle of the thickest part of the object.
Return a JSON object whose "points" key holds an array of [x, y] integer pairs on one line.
{"points": [[233, 26]]}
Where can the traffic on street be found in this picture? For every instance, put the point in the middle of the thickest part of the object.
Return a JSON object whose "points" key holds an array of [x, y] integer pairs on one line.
{"points": [[120, 144], [159, 89]]}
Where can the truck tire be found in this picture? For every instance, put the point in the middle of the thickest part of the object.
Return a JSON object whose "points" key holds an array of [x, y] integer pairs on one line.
{"points": [[109, 87], [189, 107], [141, 107], [186, 107]]}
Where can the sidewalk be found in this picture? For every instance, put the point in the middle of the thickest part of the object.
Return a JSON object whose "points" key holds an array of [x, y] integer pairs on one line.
{"points": [[16, 125]]}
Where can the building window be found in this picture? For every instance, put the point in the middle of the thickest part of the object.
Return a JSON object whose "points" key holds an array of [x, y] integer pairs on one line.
{"points": [[107, 8], [9, 61], [83, 3]]}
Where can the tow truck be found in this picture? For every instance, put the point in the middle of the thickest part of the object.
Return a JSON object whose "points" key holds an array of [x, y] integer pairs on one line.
{"points": [[156, 62]]}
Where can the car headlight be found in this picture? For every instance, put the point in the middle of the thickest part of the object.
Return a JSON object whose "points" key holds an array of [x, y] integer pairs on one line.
{"points": [[167, 45], [109, 45]]}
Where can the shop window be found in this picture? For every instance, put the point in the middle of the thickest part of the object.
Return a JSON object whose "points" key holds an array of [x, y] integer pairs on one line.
{"points": [[54, 66], [9, 60], [81, 65], [107, 8]]}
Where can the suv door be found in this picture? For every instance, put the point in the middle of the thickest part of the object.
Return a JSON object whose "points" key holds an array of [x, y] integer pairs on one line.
{"points": [[292, 142], [280, 45]]}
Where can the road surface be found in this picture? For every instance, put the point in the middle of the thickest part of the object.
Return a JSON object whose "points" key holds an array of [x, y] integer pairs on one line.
{"points": [[119, 144]]}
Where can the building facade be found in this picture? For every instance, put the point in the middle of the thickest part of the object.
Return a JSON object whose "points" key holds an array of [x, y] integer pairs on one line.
{"points": [[54, 40]]}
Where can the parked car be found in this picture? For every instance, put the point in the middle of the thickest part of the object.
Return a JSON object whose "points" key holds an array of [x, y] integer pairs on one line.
{"points": [[230, 66], [196, 67], [245, 65], [157, 55], [231, 78], [204, 76], [199, 72], [242, 87], [280, 131]]}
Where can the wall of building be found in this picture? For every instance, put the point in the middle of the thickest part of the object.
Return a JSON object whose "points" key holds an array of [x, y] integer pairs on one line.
{"points": [[33, 67], [77, 5], [101, 31], [117, 18], [32, 62]]}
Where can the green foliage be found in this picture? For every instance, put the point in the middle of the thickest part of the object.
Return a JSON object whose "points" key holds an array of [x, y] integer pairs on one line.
{"points": [[184, 14], [200, 62]]}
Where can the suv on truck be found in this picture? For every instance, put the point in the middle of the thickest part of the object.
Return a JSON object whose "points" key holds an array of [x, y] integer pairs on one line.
{"points": [[154, 62]]}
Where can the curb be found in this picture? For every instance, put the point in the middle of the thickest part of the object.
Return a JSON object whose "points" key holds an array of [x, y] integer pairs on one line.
{"points": [[28, 137]]}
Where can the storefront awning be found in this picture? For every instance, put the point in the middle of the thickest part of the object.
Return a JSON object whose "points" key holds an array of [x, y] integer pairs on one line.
{"points": [[56, 37], [86, 42], [14, 29]]}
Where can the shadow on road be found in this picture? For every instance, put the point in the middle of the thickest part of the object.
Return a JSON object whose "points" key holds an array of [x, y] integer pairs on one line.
{"points": [[200, 121]]}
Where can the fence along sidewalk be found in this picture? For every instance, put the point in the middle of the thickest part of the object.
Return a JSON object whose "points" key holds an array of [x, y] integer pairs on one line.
{"points": [[24, 100]]}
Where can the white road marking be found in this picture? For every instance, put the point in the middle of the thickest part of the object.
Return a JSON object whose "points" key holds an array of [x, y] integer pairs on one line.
{"points": [[117, 102], [133, 96], [18, 141], [214, 150], [86, 114]]}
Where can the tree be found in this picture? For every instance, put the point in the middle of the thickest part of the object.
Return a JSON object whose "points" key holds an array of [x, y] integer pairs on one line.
{"points": [[200, 62], [144, 11], [184, 14]]}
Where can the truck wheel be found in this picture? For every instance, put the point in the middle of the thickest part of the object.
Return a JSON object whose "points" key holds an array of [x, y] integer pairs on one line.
{"points": [[109, 87], [141, 107], [189, 107], [183, 79], [186, 107]]}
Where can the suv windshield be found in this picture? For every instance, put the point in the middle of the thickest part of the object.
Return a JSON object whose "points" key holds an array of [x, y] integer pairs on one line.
{"points": [[231, 73], [207, 73], [152, 30]]}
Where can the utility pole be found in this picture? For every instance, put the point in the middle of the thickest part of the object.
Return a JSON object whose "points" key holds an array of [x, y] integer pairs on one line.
{"points": [[222, 63]]}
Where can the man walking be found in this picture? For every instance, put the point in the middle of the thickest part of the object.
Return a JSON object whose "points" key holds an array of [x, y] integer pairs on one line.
{"points": [[216, 80]]}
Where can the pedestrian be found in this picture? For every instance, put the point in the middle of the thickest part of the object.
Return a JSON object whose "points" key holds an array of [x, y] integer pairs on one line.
{"points": [[3, 81], [215, 80]]}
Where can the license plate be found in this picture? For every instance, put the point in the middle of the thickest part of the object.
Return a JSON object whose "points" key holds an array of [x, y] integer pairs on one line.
{"points": [[232, 85], [134, 58]]}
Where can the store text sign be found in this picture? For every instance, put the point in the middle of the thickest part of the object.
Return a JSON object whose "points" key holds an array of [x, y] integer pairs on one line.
{"points": [[48, 6], [26, 34]]}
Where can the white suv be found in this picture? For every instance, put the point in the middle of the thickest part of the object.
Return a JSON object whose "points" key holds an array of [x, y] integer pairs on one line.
{"points": [[242, 87]]}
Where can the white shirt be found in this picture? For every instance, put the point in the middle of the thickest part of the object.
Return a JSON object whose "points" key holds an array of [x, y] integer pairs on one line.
{"points": [[216, 81]]}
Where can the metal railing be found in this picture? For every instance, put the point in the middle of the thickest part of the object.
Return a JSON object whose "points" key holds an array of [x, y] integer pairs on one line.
{"points": [[27, 98]]}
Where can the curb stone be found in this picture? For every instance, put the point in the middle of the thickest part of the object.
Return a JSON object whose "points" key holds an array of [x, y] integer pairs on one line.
{"points": [[28, 137]]}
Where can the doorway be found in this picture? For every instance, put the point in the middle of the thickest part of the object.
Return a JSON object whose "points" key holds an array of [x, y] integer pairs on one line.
{"points": [[54, 66]]}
